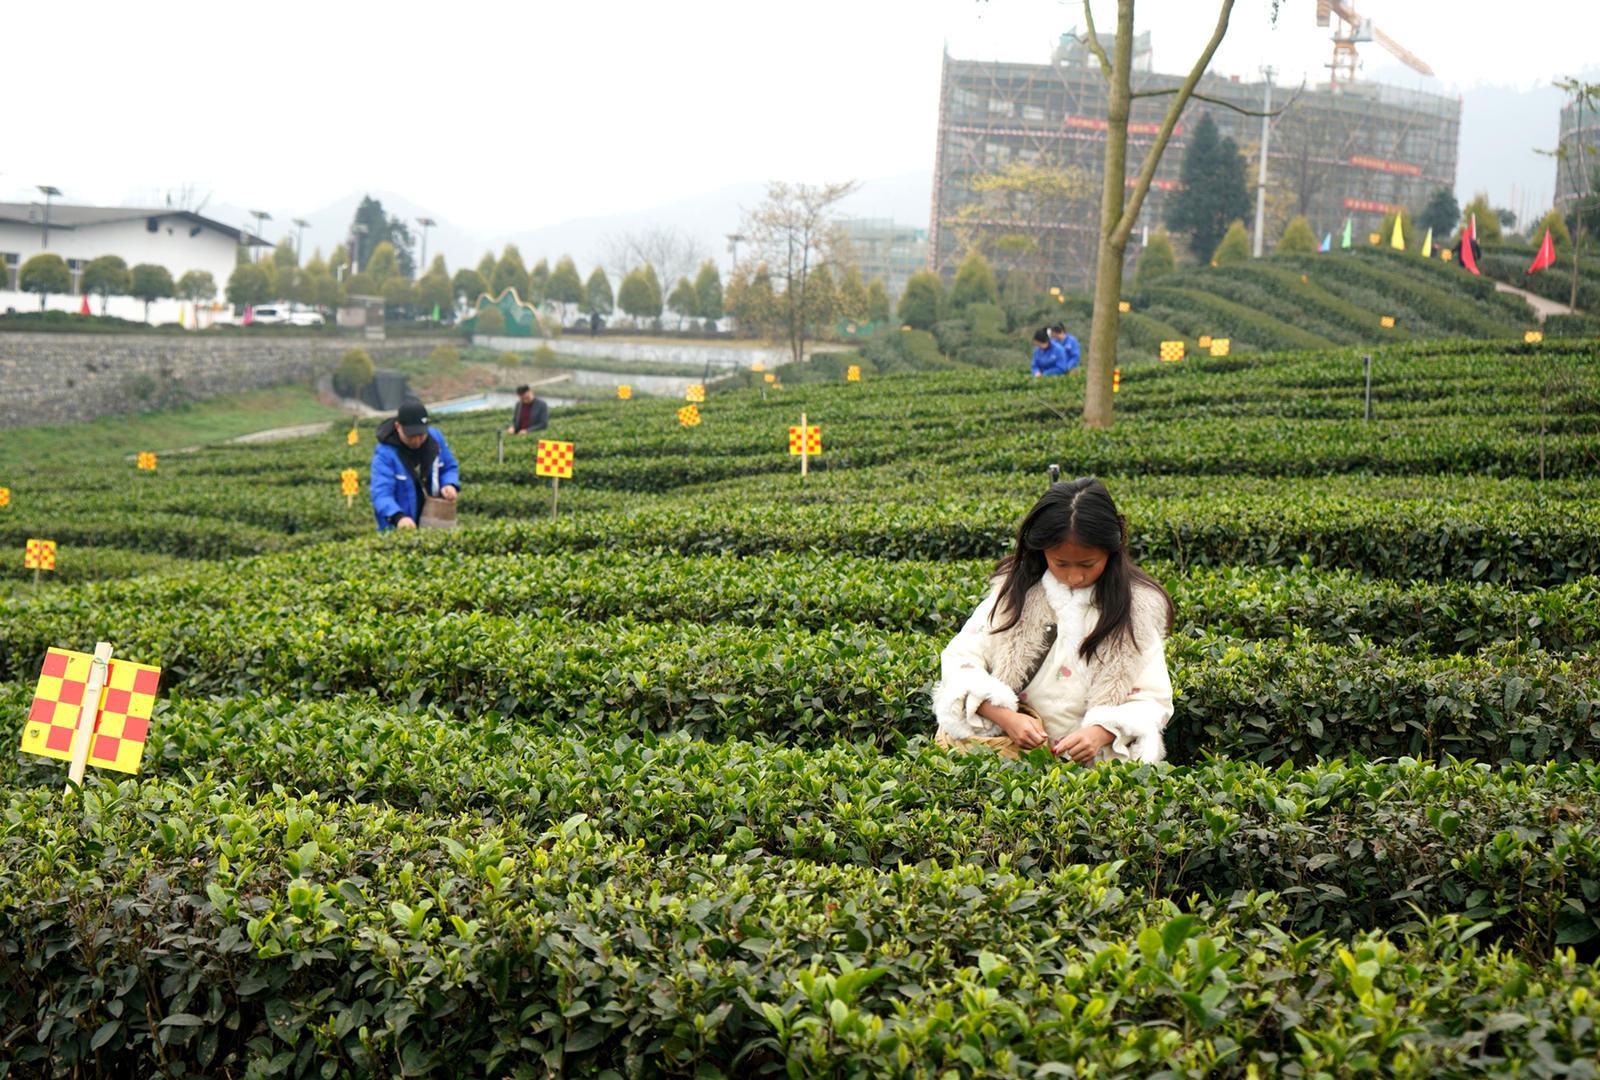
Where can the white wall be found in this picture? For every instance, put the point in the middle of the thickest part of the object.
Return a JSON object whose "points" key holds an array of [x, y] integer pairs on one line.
{"points": [[170, 246]]}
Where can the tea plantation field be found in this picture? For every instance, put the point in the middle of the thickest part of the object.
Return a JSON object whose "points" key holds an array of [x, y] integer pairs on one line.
{"points": [[648, 789]]}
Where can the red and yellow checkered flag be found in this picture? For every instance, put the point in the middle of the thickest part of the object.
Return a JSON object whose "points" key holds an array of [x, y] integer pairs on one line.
{"points": [[813, 440], [120, 724], [147, 461], [689, 415], [1219, 346], [1532, 336], [1171, 351], [5, 496], [624, 392], [555, 459], [697, 392], [1386, 321], [39, 555], [852, 373], [1204, 341], [349, 482], [352, 438]]}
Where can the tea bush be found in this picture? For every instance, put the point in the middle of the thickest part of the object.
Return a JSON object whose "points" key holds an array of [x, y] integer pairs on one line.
{"points": [[648, 789]]}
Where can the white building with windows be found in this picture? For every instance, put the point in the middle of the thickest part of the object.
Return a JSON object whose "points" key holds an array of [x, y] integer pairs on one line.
{"points": [[179, 240]]}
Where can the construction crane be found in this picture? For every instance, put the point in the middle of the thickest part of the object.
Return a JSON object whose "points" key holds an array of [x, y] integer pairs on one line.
{"points": [[1353, 28]]}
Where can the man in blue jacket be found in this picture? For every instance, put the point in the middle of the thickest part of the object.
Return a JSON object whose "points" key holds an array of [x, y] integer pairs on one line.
{"points": [[1048, 359], [411, 458], [1066, 344]]}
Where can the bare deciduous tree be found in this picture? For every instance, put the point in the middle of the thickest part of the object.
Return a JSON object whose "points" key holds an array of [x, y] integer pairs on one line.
{"points": [[791, 231], [673, 252]]}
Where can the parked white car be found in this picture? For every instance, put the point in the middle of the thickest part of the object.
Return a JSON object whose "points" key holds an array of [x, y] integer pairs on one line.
{"points": [[283, 315]]}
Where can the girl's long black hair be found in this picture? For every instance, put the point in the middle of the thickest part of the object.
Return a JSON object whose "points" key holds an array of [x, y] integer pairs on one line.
{"points": [[1079, 510]]}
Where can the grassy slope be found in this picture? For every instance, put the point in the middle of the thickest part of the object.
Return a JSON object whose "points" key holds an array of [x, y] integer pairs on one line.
{"points": [[210, 421]]}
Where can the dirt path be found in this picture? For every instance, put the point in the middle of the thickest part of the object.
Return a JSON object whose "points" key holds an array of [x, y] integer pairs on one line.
{"points": [[321, 427], [1540, 305]]}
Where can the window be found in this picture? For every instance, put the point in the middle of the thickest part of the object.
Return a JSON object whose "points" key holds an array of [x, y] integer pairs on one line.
{"points": [[1033, 112], [1000, 107], [76, 266], [8, 269]]}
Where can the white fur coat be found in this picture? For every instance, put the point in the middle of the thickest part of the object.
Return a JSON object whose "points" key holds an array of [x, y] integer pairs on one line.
{"points": [[1125, 689]]}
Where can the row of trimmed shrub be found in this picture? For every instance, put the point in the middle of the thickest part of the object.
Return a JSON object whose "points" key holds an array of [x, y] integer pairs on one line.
{"points": [[816, 592], [1270, 701], [177, 927]]}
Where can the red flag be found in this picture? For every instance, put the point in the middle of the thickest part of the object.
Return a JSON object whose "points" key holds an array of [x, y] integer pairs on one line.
{"points": [[84, 310], [1546, 256], [1467, 237]]}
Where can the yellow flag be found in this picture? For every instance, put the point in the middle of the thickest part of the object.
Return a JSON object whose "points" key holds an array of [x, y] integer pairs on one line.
{"points": [[1427, 244], [1397, 241]]}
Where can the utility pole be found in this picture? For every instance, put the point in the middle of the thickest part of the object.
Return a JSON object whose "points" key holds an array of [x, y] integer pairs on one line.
{"points": [[49, 192], [426, 223], [1261, 173], [299, 231], [733, 248], [260, 216]]}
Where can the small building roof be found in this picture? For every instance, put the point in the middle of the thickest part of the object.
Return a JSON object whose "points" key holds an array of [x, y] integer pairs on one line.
{"points": [[66, 216]]}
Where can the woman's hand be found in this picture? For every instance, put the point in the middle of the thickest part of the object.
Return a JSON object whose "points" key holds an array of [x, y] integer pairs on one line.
{"points": [[1085, 744], [1027, 732]]}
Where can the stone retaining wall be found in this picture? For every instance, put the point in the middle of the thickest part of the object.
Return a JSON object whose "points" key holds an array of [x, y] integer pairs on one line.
{"points": [[70, 378]]}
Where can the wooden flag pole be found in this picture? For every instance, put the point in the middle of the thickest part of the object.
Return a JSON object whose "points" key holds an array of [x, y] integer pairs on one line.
{"points": [[35, 579], [87, 712], [500, 447], [555, 493], [803, 455]]}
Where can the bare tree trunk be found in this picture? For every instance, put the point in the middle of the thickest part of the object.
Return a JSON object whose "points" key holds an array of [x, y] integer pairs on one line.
{"points": [[1108, 256], [1117, 214]]}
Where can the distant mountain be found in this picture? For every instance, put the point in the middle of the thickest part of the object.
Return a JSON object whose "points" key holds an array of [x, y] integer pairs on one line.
{"points": [[328, 226], [1502, 130], [707, 218]]}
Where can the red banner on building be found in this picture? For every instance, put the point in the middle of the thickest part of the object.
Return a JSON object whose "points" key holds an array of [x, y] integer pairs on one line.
{"points": [[1368, 204], [1385, 166], [1159, 185], [1133, 129]]}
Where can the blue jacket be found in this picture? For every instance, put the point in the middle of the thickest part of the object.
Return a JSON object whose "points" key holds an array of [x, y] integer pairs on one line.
{"points": [[1050, 360], [1068, 347], [392, 489]]}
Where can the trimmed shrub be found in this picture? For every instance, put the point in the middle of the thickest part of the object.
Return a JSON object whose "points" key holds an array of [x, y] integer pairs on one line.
{"points": [[353, 373]]}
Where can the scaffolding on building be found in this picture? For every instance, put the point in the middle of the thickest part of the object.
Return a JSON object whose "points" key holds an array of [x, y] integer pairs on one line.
{"points": [[1356, 151]]}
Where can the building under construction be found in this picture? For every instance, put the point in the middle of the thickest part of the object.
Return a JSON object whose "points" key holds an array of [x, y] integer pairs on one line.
{"points": [[1018, 164], [1578, 163]]}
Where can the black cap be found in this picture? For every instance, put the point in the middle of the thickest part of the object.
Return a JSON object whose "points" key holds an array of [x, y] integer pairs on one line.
{"points": [[412, 418]]}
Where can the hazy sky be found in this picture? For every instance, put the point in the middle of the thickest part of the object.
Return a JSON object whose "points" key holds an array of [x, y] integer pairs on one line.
{"points": [[505, 116]]}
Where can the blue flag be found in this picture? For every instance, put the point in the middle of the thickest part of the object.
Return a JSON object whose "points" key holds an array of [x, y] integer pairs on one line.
{"points": [[1327, 242]]}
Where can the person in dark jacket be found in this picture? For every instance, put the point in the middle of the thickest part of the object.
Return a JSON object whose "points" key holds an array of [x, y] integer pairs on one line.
{"points": [[411, 459], [1047, 358], [529, 413], [594, 322]]}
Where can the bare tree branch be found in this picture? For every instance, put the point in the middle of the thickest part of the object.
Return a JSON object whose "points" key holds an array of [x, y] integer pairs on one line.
{"points": [[1147, 171], [1094, 43], [1226, 104]]}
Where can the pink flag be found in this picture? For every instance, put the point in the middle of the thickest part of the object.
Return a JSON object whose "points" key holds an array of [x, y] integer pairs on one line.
{"points": [[249, 315], [84, 310]]}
